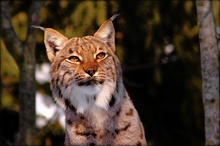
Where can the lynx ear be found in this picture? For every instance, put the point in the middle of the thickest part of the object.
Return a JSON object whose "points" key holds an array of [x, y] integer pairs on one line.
{"points": [[106, 32], [53, 41]]}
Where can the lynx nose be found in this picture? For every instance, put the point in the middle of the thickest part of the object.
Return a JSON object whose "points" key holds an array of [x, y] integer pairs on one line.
{"points": [[91, 71]]}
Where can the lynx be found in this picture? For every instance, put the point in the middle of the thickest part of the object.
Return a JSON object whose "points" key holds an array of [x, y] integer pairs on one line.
{"points": [[86, 80]]}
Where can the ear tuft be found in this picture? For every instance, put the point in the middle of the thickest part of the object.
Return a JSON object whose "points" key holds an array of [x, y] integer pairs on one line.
{"points": [[53, 41], [114, 16], [38, 27]]}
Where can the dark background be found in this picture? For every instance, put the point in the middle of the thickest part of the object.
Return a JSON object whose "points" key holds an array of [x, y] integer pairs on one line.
{"points": [[165, 88]]}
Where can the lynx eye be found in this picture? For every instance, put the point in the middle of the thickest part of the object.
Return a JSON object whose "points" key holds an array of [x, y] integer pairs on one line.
{"points": [[72, 59], [101, 55]]}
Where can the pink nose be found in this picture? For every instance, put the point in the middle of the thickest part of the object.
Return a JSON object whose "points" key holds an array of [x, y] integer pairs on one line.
{"points": [[90, 71]]}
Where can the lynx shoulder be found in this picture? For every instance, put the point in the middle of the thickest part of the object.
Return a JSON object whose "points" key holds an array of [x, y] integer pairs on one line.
{"points": [[86, 80]]}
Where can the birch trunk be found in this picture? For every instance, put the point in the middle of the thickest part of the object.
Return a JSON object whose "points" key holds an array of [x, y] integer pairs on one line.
{"points": [[210, 70]]}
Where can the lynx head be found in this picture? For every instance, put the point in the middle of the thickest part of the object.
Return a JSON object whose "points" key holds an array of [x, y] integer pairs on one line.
{"points": [[84, 71]]}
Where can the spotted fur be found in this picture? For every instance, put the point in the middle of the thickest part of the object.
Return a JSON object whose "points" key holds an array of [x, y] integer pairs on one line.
{"points": [[86, 80]]}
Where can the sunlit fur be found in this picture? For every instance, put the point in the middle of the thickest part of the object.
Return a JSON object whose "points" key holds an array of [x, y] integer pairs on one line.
{"points": [[97, 107], [69, 75]]}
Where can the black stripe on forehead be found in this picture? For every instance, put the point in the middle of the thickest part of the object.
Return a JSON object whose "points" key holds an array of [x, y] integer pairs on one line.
{"points": [[79, 44], [85, 48], [73, 42], [95, 42], [87, 43]]}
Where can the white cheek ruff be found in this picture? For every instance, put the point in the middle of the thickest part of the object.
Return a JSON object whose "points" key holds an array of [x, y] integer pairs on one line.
{"points": [[85, 97], [82, 97], [88, 90], [105, 95]]}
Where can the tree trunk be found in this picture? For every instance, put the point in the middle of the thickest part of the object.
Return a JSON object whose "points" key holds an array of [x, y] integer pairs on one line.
{"points": [[210, 70], [24, 54]]}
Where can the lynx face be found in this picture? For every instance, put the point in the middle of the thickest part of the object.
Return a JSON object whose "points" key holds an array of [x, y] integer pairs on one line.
{"points": [[88, 61], [84, 68]]}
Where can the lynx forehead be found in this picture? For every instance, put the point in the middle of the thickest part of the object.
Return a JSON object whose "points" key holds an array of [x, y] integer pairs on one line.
{"points": [[86, 80]]}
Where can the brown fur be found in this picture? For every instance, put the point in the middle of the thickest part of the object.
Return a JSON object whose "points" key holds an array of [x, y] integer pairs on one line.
{"points": [[86, 80]]}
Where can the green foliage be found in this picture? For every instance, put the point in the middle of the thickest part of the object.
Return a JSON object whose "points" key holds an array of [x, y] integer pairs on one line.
{"points": [[167, 96], [9, 79], [9, 67], [85, 14], [19, 23], [78, 18]]}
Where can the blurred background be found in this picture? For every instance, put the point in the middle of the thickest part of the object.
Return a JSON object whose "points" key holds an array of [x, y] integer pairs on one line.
{"points": [[158, 46]]}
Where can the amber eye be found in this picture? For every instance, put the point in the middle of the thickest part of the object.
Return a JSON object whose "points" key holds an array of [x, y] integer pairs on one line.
{"points": [[73, 59], [101, 55]]}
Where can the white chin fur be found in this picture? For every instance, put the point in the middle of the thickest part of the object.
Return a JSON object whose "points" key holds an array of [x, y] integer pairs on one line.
{"points": [[81, 97], [86, 97], [88, 90]]}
